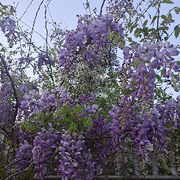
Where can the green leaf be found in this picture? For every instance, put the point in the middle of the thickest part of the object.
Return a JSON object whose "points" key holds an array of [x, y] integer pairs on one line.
{"points": [[159, 78], [162, 71], [135, 64], [22, 127], [177, 10], [12, 10], [134, 26], [164, 17], [178, 63], [176, 31], [116, 38], [72, 128], [145, 23], [155, 3], [77, 110], [141, 60], [137, 32], [83, 110], [89, 121], [109, 85], [154, 18], [130, 39], [111, 35], [167, 1], [123, 43], [58, 111]]}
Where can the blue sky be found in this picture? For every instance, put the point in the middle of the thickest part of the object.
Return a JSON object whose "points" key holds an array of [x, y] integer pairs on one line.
{"points": [[62, 11]]}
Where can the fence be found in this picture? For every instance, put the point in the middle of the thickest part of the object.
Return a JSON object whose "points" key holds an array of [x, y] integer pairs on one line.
{"points": [[136, 175]]}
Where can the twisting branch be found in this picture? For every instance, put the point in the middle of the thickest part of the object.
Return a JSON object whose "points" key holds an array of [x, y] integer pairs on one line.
{"points": [[25, 10], [13, 86]]}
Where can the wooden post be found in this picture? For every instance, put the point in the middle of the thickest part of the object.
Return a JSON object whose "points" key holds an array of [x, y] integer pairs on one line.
{"points": [[136, 164], [154, 163], [174, 168], [118, 167]]}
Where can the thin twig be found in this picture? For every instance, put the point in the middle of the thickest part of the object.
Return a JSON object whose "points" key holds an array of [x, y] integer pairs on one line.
{"points": [[32, 30], [157, 29], [45, 17], [102, 7], [50, 67], [139, 17], [14, 162], [25, 10], [36, 17], [19, 172], [171, 33]]}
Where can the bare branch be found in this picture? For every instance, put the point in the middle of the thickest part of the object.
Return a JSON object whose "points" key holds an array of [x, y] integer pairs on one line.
{"points": [[14, 162], [158, 13], [13, 86], [26, 10], [32, 30], [19, 172], [102, 7]]}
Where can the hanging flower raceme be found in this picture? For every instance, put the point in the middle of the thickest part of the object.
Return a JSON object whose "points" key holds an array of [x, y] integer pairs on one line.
{"points": [[76, 161], [24, 154], [44, 147], [143, 63], [8, 27], [137, 117], [91, 43]]}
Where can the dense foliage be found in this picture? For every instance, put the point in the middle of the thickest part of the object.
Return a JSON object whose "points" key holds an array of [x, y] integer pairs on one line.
{"points": [[86, 108]]}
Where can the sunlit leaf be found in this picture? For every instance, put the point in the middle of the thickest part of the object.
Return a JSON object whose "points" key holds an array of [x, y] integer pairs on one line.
{"points": [[176, 31], [167, 1], [145, 23], [155, 3]]}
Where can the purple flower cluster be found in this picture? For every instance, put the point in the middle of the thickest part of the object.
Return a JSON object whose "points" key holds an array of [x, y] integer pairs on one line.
{"points": [[33, 103], [90, 44], [8, 28], [142, 63], [154, 127], [137, 117], [100, 142], [43, 59], [24, 154], [45, 144], [83, 98], [76, 161]]}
